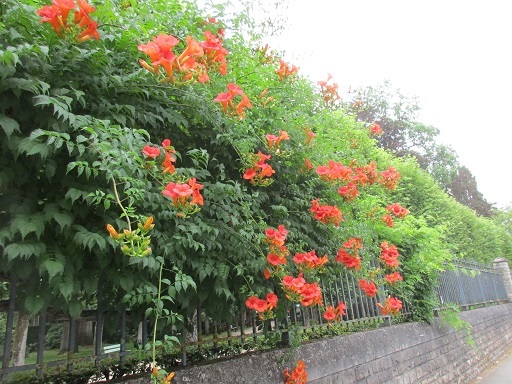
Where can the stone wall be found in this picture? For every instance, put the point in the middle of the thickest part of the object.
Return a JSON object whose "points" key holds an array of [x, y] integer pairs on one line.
{"points": [[406, 353]]}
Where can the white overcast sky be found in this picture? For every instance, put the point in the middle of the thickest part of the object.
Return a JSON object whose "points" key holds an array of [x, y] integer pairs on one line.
{"points": [[455, 55]]}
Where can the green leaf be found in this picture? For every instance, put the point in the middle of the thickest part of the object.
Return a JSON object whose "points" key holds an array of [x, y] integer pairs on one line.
{"points": [[75, 308], [126, 282], [89, 240], [64, 219], [24, 250], [53, 267], [28, 223], [34, 304], [74, 194], [90, 284], [66, 287], [9, 125]]}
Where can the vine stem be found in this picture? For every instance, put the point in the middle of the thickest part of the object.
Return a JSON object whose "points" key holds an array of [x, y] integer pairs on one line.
{"points": [[116, 194], [153, 347]]}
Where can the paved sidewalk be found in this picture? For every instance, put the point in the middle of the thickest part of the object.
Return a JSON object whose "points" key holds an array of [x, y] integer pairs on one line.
{"points": [[500, 373]]}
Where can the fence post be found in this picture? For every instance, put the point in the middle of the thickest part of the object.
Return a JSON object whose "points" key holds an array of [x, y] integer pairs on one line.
{"points": [[500, 264]]}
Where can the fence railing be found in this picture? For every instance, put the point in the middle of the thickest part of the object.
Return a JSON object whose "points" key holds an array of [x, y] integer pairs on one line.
{"points": [[467, 285], [471, 284]]}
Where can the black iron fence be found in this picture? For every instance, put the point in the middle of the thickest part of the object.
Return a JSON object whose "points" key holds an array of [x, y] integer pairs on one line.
{"points": [[471, 284], [466, 285]]}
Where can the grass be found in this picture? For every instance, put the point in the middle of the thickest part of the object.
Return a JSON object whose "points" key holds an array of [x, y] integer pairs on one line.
{"points": [[53, 354]]}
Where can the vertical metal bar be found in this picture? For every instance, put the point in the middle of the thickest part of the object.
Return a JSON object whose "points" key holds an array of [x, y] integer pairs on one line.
{"points": [[336, 292], [348, 302], [215, 334], [330, 294], [253, 323], [303, 315], [285, 333], [99, 322], [294, 314], [40, 344], [71, 343], [8, 328], [199, 328], [229, 334], [184, 347], [144, 331], [242, 322], [122, 358], [357, 296], [310, 310]]}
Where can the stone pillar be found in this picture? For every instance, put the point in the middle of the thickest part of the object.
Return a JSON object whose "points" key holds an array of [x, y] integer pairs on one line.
{"points": [[500, 264]]}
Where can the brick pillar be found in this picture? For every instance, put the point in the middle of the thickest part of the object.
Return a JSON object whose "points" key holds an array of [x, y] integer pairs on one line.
{"points": [[501, 265]]}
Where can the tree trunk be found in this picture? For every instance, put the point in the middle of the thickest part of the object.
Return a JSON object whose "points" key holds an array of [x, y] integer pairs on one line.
{"points": [[20, 339], [85, 334], [206, 326], [64, 339], [192, 336], [139, 335]]}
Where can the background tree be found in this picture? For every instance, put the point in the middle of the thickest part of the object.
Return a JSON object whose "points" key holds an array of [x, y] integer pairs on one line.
{"points": [[402, 134]]}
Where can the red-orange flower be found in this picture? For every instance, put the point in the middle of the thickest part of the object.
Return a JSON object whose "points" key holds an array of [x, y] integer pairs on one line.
{"points": [[167, 164], [160, 51], [184, 194], [57, 16], [311, 294], [390, 177], [273, 141], [349, 192], [245, 103], [276, 237], [307, 164], [369, 287], [375, 129], [260, 172], [294, 284], [334, 171], [327, 214], [349, 254], [150, 151], [51, 14], [348, 260], [331, 313], [286, 70], [389, 255], [392, 306], [263, 306], [310, 260], [397, 210], [275, 260], [329, 91], [394, 277], [226, 100], [310, 135], [298, 375], [388, 220], [354, 243]]}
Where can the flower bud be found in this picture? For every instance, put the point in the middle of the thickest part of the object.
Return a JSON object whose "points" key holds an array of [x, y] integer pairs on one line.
{"points": [[113, 233], [148, 225]]}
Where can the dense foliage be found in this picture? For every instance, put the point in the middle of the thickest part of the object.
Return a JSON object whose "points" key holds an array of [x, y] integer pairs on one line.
{"points": [[88, 116], [405, 136]]}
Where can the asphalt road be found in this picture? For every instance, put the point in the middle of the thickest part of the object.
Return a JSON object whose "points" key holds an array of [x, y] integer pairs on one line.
{"points": [[500, 373]]}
